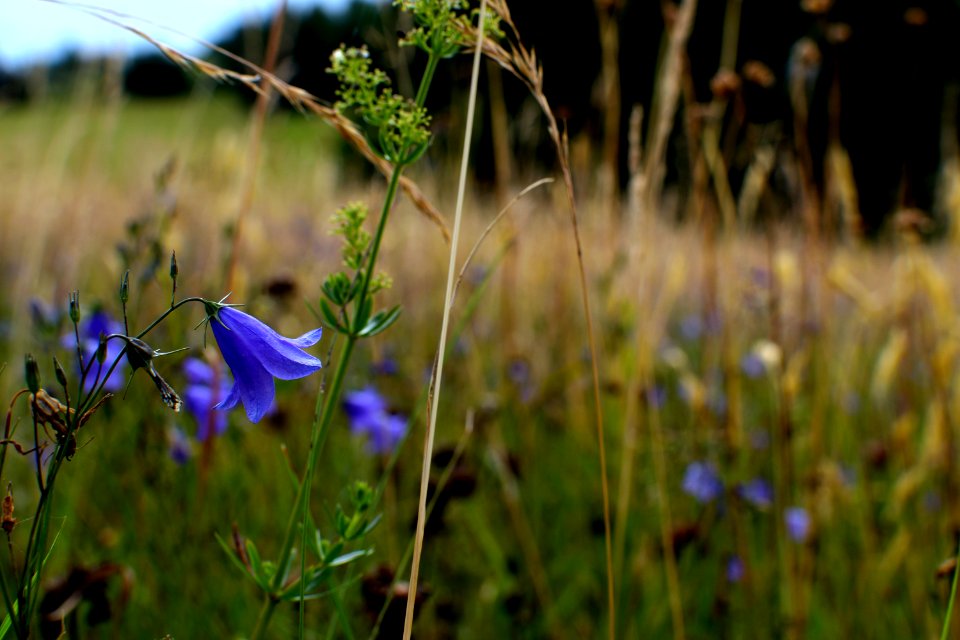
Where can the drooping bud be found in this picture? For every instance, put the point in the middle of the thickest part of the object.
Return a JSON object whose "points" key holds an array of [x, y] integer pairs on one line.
{"points": [[139, 353], [75, 307], [7, 520], [140, 356], [60, 373], [102, 349], [174, 271], [32, 373], [125, 287]]}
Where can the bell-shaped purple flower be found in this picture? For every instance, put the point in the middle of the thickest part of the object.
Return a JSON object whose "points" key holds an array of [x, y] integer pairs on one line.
{"points": [[702, 481], [204, 390], [179, 446], [369, 418], [90, 329], [256, 354], [797, 521], [758, 492]]}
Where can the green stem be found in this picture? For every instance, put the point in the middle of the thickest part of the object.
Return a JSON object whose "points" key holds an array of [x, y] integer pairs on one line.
{"points": [[325, 407], [377, 238], [432, 61], [323, 416], [264, 618], [945, 633], [327, 401]]}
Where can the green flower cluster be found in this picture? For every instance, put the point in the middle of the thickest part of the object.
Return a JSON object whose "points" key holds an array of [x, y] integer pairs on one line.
{"points": [[397, 128]]}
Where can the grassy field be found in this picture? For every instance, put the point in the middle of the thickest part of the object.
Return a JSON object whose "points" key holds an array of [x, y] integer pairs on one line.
{"points": [[780, 416]]}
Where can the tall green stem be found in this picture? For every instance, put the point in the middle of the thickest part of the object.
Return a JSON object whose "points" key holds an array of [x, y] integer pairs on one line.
{"points": [[327, 400], [945, 633], [326, 404]]}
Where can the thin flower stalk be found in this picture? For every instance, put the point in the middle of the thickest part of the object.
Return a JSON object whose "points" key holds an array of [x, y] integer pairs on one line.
{"points": [[447, 304], [328, 399]]}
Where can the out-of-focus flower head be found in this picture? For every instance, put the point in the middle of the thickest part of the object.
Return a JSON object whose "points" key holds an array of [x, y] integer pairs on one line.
{"points": [[256, 354], [90, 328], [764, 357], [797, 521], [735, 568], [370, 418], [179, 446], [45, 316], [205, 388], [758, 492], [702, 481], [691, 326]]}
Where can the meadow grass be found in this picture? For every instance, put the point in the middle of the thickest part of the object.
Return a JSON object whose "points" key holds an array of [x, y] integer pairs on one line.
{"points": [[851, 414]]}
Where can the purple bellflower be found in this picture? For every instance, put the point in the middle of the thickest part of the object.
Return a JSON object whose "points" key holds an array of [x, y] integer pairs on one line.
{"points": [[797, 521], [702, 481], [204, 390], [179, 446], [735, 568], [758, 492], [90, 329], [369, 418], [256, 354]]}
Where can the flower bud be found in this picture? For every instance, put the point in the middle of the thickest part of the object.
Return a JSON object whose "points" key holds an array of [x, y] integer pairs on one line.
{"points": [[140, 356], [139, 353], [58, 369], [125, 287], [32, 373], [7, 520], [174, 270], [75, 307], [102, 349]]}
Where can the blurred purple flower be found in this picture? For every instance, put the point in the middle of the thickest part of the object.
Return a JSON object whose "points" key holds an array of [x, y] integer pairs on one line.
{"points": [[369, 418], [691, 326], [656, 396], [798, 523], [717, 403], [90, 328], [45, 316], [386, 366], [851, 403], [752, 365], [256, 354], [520, 373], [702, 481], [179, 446], [758, 492], [203, 391], [735, 569]]}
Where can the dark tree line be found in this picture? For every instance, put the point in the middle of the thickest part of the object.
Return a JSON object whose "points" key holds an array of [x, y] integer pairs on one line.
{"points": [[872, 76]]}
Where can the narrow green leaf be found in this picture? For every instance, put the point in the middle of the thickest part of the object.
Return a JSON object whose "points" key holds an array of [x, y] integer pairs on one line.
{"points": [[380, 322], [232, 554], [349, 557], [330, 316]]}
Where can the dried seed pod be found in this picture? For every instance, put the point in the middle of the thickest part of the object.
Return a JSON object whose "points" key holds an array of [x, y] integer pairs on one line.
{"points": [[7, 520]]}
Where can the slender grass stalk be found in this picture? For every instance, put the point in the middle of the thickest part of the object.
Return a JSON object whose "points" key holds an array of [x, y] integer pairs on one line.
{"points": [[257, 122], [447, 304], [945, 632], [524, 65], [658, 451], [324, 415]]}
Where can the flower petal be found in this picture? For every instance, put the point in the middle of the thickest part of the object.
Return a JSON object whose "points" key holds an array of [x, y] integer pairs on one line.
{"points": [[306, 340], [280, 356], [251, 380], [197, 371], [231, 399]]}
